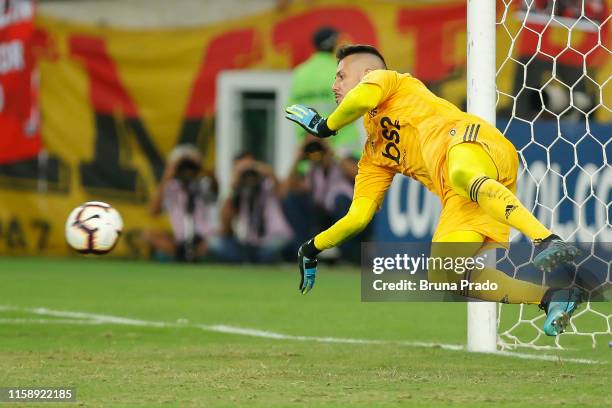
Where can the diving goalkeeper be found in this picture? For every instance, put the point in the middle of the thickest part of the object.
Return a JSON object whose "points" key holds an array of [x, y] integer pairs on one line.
{"points": [[460, 157]]}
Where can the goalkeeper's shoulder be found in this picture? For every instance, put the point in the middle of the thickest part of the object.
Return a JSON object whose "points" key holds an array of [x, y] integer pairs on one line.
{"points": [[381, 77], [391, 82]]}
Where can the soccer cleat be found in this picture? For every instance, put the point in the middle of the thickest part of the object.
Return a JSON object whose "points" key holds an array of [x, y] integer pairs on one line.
{"points": [[554, 251], [308, 272], [559, 308]]}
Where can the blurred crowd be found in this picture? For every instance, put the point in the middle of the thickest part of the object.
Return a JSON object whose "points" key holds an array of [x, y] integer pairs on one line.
{"points": [[264, 218]]}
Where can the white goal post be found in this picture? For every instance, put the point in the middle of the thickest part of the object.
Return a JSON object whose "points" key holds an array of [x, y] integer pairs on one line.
{"points": [[481, 97]]}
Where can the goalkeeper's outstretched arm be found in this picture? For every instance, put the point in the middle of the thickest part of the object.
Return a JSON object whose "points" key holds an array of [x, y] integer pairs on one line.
{"points": [[359, 100], [358, 217]]}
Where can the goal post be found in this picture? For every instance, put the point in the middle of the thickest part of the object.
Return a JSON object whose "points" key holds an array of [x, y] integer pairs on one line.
{"points": [[481, 98]]}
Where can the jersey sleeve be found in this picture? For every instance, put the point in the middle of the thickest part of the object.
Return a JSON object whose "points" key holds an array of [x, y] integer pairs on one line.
{"points": [[384, 79], [372, 181], [356, 103]]}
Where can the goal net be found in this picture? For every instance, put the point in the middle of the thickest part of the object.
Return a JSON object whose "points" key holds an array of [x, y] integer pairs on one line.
{"points": [[554, 97]]}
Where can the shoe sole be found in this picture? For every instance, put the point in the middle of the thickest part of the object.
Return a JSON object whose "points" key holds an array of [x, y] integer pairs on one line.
{"points": [[551, 261], [561, 322]]}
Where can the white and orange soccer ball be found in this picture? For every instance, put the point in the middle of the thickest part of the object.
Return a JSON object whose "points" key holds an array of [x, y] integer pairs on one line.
{"points": [[93, 228]]}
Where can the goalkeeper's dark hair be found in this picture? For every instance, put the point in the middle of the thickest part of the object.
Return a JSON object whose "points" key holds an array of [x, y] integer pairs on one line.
{"points": [[351, 49]]}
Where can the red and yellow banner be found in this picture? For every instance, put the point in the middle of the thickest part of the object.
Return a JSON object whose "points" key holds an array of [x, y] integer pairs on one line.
{"points": [[19, 116]]}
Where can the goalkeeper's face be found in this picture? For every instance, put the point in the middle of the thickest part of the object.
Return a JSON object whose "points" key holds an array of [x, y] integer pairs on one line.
{"points": [[349, 73], [351, 70]]}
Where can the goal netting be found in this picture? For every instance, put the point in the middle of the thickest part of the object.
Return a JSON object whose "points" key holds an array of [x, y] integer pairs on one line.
{"points": [[554, 102]]}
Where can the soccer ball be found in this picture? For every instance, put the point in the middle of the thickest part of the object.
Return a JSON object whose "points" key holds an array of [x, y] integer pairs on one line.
{"points": [[93, 228]]}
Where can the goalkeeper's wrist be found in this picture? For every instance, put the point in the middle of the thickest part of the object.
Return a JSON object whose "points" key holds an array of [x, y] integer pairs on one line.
{"points": [[323, 130], [309, 249]]}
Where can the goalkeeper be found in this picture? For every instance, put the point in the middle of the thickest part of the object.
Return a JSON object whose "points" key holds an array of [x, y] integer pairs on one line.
{"points": [[464, 160]]}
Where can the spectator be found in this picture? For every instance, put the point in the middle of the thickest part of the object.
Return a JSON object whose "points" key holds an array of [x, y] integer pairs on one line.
{"points": [[320, 196], [312, 86], [253, 226], [188, 194]]}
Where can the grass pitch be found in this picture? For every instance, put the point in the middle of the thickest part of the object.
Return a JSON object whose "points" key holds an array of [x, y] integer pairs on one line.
{"points": [[133, 333]]}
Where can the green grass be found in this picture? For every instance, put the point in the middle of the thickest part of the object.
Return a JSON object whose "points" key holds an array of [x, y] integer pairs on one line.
{"points": [[182, 365]]}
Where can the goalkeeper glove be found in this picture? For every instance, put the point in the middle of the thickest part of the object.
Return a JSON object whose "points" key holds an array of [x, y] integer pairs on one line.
{"points": [[308, 270], [310, 120]]}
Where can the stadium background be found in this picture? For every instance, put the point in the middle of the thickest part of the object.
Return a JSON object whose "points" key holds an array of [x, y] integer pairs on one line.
{"points": [[115, 100], [135, 333]]}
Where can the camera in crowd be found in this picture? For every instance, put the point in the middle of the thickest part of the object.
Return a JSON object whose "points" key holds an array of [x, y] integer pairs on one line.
{"points": [[314, 151], [250, 181], [185, 163], [187, 170]]}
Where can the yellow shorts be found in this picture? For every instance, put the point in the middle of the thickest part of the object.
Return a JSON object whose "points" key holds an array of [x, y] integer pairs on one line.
{"points": [[461, 214]]}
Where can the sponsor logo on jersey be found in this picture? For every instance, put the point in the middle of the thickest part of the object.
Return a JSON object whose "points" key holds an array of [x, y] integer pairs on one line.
{"points": [[391, 133]]}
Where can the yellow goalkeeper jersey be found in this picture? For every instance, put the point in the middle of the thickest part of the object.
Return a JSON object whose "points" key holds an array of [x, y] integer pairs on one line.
{"points": [[411, 129]]}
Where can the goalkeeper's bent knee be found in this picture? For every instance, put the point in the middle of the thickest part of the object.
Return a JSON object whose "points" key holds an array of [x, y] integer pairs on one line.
{"points": [[460, 180], [468, 165]]}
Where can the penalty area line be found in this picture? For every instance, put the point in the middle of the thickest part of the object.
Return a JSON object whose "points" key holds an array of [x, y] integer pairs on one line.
{"points": [[84, 318]]}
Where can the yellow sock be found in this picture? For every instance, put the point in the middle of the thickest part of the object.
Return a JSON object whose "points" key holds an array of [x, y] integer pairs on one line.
{"points": [[509, 290], [501, 204], [468, 243]]}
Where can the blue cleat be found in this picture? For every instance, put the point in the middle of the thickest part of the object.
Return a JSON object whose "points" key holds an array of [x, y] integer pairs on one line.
{"points": [[559, 308], [554, 252]]}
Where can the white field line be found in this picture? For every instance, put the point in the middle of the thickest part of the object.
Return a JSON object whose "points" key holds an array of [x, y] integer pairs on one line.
{"points": [[21, 320], [83, 318]]}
